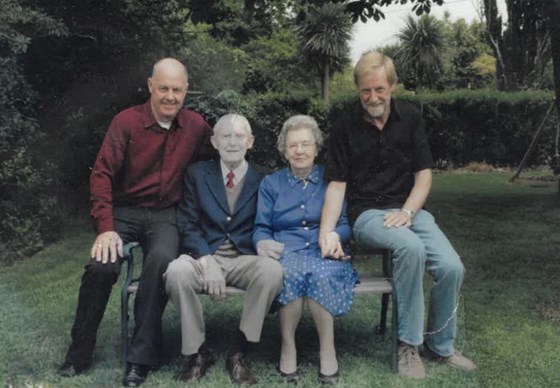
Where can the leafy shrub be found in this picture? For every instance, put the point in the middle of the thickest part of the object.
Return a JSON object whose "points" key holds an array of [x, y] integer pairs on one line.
{"points": [[267, 113], [479, 167], [27, 201], [482, 125]]}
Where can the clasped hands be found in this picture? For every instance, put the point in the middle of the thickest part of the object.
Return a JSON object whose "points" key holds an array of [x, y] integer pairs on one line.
{"points": [[270, 248], [331, 246]]}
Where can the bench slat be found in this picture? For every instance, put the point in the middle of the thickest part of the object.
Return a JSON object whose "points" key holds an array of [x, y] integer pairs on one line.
{"points": [[367, 285]]}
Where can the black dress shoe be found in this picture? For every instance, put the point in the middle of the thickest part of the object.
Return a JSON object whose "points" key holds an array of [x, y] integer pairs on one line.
{"points": [[328, 379], [196, 365], [239, 372], [136, 375], [289, 378], [70, 370]]}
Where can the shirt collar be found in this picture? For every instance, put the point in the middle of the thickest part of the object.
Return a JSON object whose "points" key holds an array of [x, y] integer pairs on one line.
{"points": [[238, 173], [312, 177], [150, 121]]}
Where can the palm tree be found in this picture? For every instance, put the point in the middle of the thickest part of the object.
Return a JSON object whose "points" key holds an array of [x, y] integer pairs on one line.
{"points": [[324, 37], [422, 50]]}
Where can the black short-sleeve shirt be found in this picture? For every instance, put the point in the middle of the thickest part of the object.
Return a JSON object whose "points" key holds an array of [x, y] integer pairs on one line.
{"points": [[377, 166]]}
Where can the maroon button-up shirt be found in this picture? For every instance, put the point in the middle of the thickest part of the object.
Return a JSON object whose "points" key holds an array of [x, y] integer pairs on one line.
{"points": [[141, 164]]}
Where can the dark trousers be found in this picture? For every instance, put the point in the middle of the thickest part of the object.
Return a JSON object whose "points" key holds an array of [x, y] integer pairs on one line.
{"points": [[156, 231]]}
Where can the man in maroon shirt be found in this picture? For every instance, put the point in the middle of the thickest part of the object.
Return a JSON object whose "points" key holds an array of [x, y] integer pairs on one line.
{"points": [[135, 183]]}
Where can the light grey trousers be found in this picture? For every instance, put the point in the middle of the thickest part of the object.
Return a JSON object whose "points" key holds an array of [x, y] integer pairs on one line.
{"points": [[260, 277]]}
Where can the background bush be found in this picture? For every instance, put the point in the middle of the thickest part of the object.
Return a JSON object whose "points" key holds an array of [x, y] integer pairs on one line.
{"points": [[28, 201], [482, 125]]}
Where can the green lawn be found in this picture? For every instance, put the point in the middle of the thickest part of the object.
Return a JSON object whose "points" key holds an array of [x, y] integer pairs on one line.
{"points": [[507, 234]]}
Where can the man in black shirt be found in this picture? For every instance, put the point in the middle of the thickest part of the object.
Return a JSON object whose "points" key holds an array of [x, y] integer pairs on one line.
{"points": [[380, 157]]}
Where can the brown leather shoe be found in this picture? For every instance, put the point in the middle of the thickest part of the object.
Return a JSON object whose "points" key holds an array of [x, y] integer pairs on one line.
{"points": [[196, 365], [239, 372]]}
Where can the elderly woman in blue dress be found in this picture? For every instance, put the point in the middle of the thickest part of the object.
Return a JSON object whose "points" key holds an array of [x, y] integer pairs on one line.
{"points": [[287, 228]]}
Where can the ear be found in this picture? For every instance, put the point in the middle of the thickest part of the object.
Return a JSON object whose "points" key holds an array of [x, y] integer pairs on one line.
{"points": [[250, 142], [214, 142], [150, 85]]}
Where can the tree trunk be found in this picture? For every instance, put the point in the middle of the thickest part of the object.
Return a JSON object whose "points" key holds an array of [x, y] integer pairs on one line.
{"points": [[494, 35], [325, 84], [554, 29]]}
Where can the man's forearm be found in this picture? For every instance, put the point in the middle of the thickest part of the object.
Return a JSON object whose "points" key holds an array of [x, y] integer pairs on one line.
{"points": [[419, 193], [332, 208]]}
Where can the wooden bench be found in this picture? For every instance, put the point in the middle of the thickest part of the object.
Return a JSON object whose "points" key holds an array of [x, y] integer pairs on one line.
{"points": [[369, 284]]}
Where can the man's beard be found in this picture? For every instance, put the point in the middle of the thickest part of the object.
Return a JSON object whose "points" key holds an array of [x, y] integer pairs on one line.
{"points": [[375, 110]]}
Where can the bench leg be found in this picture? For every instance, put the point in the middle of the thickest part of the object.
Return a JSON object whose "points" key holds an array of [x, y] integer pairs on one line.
{"points": [[383, 317], [124, 327], [395, 333]]}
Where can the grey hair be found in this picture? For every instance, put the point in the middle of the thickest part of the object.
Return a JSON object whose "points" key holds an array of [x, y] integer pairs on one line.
{"points": [[297, 122], [228, 120]]}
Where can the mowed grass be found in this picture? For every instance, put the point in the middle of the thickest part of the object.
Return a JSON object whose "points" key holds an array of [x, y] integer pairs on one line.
{"points": [[509, 313]]}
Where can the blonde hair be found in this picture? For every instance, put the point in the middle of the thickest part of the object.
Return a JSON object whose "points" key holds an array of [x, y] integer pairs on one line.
{"points": [[371, 61]]}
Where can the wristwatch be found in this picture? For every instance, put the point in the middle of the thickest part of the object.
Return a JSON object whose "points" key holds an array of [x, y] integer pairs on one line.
{"points": [[409, 212]]}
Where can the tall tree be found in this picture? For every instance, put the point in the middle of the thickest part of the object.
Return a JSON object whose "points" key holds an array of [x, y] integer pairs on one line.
{"points": [[522, 46], [324, 37], [422, 50], [469, 61]]}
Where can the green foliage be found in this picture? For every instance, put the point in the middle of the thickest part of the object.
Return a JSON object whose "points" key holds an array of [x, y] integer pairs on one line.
{"points": [[27, 199], [275, 64], [522, 44], [421, 52], [342, 84], [441, 55], [267, 113], [468, 59], [239, 22], [371, 9], [213, 65], [481, 126], [324, 37]]}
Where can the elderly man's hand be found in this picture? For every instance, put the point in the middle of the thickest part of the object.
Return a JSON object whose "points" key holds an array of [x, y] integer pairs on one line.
{"points": [[214, 281], [270, 248], [106, 247]]}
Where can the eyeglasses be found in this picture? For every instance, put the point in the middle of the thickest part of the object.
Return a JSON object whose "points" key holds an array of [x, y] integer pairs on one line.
{"points": [[303, 146]]}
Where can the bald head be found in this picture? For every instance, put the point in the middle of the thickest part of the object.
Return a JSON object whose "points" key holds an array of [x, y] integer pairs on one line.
{"points": [[168, 88], [169, 64]]}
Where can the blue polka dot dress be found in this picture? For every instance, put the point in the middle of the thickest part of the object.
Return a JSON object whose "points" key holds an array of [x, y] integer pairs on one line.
{"points": [[289, 211]]}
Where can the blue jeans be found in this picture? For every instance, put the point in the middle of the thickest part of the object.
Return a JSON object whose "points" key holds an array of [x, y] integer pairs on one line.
{"points": [[421, 246]]}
